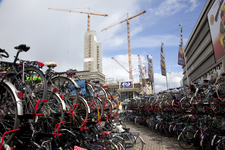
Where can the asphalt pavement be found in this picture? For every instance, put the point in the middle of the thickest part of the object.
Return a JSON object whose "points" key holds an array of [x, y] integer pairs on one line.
{"points": [[153, 140]]}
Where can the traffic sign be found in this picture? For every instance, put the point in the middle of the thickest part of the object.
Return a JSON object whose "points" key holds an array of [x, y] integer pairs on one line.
{"points": [[126, 84]]}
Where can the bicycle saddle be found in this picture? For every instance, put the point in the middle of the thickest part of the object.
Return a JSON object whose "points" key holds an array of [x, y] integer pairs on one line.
{"points": [[50, 64], [127, 129], [23, 47]]}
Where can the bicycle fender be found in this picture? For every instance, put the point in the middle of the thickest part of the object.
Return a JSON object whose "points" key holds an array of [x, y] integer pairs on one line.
{"points": [[213, 139], [74, 82], [85, 103], [202, 139], [178, 138], [18, 101], [62, 102], [218, 141], [195, 134]]}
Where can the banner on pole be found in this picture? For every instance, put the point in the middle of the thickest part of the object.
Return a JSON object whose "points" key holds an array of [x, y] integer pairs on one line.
{"points": [[181, 60], [150, 68], [162, 61]]}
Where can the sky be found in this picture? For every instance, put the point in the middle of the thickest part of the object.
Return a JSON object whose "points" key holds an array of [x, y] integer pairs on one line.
{"points": [[58, 36]]}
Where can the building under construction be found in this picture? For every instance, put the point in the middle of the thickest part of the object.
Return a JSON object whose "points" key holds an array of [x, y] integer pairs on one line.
{"points": [[92, 52]]}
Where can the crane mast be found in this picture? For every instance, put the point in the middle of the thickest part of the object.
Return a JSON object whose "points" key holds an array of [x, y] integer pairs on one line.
{"points": [[128, 40]]}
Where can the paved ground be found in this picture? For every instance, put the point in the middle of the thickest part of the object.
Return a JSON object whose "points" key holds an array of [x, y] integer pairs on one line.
{"points": [[153, 140]]}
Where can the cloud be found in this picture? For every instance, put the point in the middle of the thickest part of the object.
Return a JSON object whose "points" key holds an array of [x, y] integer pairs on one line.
{"points": [[194, 4], [173, 79], [170, 7]]}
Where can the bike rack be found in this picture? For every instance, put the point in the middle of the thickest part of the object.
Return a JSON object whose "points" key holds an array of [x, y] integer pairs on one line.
{"points": [[89, 104], [108, 117], [213, 112], [56, 130], [99, 120], [72, 107], [104, 105], [193, 110], [84, 127], [36, 107], [3, 136]]}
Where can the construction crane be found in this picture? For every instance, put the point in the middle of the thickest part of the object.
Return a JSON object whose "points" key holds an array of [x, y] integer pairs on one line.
{"points": [[88, 13], [128, 39], [122, 65]]}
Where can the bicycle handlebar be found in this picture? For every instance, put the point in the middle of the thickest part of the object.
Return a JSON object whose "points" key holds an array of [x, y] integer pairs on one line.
{"points": [[5, 54]]}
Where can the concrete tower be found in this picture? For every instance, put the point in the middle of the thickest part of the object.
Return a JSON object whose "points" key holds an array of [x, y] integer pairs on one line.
{"points": [[92, 52]]}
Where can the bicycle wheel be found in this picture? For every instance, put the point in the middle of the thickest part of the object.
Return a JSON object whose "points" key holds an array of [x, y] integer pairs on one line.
{"points": [[186, 139], [8, 112], [185, 104], [220, 145], [206, 142], [138, 143], [101, 93], [96, 109], [220, 91], [67, 88], [52, 111], [110, 146], [30, 82], [79, 113]]}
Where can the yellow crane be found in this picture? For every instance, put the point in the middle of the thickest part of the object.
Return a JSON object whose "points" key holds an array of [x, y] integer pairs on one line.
{"points": [[88, 14], [128, 39]]}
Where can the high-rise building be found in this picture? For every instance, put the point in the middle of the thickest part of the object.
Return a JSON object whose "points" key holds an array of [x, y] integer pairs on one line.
{"points": [[92, 52]]}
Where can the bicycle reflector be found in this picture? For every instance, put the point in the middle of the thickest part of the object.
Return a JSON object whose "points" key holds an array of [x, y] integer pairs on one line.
{"points": [[55, 90], [93, 86], [20, 94], [40, 64], [80, 93], [105, 86], [97, 95], [62, 96], [69, 74]]}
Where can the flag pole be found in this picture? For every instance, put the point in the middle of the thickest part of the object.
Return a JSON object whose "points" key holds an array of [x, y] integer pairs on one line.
{"points": [[163, 65], [182, 45]]}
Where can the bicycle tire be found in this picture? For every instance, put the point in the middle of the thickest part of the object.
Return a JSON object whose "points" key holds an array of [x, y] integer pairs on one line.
{"points": [[8, 108], [101, 93], [185, 104], [53, 113], [66, 87], [96, 109], [220, 145], [80, 113], [110, 145], [220, 91], [186, 139], [138, 143], [34, 82], [119, 141]]}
